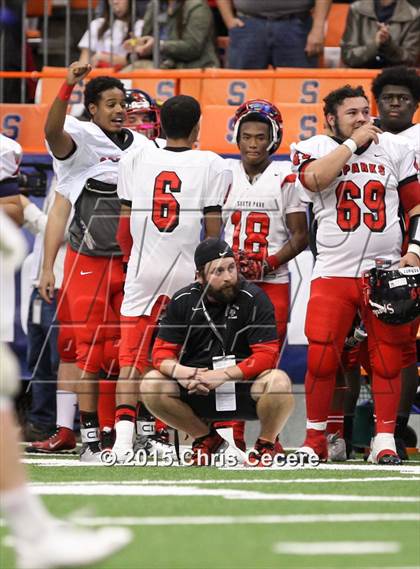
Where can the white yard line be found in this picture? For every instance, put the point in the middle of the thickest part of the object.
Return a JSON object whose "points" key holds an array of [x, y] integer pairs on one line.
{"points": [[336, 547], [241, 520], [116, 489], [233, 481], [244, 520], [342, 467]]}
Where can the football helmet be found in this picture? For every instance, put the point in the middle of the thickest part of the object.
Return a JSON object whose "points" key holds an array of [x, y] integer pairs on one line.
{"points": [[142, 113], [263, 109], [393, 295]]}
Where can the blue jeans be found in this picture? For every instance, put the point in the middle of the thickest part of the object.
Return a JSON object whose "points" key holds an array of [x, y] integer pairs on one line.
{"points": [[262, 42], [43, 360]]}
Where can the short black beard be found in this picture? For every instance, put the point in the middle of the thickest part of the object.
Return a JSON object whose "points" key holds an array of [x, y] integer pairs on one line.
{"points": [[225, 295], [337, 131]]}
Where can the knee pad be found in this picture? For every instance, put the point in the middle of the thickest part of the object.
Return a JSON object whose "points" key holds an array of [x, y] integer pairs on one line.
{"points": [[323, 360], [90, 355], [387, 360]]}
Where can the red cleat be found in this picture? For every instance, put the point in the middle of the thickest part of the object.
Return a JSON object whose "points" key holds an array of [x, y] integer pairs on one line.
{"points": [[264, 452], [204, 447], [62, 439], [315, 444]]}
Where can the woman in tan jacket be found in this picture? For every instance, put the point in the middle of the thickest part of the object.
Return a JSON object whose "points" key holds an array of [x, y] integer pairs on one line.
{"points": [[381, 33]]}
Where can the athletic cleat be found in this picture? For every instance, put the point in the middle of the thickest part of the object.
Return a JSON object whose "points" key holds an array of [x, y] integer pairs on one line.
{"points": [[204, 447], [89, 454], [66, 546], [162, 435], [159, 445], [123, 454], [401, 449], [264, 452], [315, 445], [336, 448], [63, 439], [107, 438], [383, 450]]}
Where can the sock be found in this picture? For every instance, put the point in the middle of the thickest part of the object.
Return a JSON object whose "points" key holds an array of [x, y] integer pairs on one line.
{"points": [[89, 430], [25, 514], [66, 408], [319, 394], [106, 402], [386, 399], [401, 425], [145, 424], [335, 423], [125, 418]]}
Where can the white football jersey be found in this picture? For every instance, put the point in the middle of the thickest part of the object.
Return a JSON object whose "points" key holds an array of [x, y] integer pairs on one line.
{"points": [[413, 135], [255, 214], [10, 157], [357, 215], [168, 192], [96, 156]]}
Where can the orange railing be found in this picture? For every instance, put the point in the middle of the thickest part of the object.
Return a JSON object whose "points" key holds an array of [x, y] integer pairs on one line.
{"points": [[297, 92]]}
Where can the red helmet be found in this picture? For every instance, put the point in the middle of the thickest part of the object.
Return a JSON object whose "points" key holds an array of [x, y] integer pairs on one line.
{"points": [[265, 110], [142, 107]]}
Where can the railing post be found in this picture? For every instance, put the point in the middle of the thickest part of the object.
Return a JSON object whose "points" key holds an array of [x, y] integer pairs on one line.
{"points": [[156, 47], [111, 24], [45, 35], [23, 53], [2, 42], [67, 39], [89, 30]]}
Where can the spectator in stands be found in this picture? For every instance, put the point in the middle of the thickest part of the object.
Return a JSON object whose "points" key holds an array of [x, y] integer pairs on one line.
{"points": [[186, 37], [107, 35], [274, 32], [381, 33]]}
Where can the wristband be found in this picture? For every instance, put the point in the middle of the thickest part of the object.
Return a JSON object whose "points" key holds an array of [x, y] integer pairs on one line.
{"points": [[351, 145], [65, 92], [414, 248]]}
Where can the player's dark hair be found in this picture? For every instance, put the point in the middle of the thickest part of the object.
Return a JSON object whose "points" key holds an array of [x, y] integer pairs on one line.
{"points": [[402, 76], [336, 98], [96, 86], [179, 115], [254, 117]]}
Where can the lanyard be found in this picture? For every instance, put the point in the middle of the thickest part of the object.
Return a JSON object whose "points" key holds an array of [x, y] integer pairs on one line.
{"points": [[213, 327]]}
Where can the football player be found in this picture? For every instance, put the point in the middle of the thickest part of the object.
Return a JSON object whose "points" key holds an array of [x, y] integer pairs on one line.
{"points": [[168, 193], [263, 215], [356, 178], [86, 156], [397, 95], [142, 114]]}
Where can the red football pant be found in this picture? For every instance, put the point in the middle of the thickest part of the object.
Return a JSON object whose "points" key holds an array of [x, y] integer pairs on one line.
{"points": [[278, 293], [137, 336], [333, 304], [89, 309]]}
